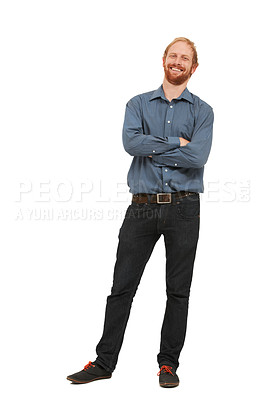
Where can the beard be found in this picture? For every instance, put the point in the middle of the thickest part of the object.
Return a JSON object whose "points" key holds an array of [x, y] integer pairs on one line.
{"points": [[174, 78]]}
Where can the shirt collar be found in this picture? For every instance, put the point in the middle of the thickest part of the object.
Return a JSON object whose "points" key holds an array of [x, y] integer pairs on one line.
{"points": [[160, 93]]}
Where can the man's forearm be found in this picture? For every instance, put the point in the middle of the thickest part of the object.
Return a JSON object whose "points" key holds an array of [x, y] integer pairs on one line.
{"points": [[190, 155], [183, 142], [147, 145]]}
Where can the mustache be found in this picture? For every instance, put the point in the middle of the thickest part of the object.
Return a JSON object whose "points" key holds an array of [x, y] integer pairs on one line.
{"points": [[176, 66]]}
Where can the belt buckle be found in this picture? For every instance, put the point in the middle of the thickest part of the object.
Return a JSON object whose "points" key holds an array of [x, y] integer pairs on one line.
{"points": [[168, 195]]}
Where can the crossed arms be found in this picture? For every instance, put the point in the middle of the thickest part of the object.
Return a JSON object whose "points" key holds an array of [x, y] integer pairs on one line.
{"points": [[169, 151]]}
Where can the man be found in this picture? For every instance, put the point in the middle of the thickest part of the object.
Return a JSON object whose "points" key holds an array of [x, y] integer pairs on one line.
{"points": [[169, 133]]}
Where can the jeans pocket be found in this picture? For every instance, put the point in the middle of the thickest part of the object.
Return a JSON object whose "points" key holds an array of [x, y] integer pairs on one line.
{"points": [[190, 209]]}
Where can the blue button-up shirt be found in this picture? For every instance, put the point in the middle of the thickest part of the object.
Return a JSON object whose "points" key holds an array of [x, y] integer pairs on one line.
{"points": [[152, 126]]}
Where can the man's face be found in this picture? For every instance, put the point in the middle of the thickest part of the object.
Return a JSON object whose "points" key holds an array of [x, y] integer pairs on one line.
{"points": [[178, 63]]}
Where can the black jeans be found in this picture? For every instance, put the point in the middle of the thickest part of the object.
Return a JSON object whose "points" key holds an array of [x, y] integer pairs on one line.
{"points": [[142, 227]]}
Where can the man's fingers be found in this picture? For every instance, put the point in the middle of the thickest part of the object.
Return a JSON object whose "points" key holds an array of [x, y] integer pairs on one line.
{"points": [[183, 141]]}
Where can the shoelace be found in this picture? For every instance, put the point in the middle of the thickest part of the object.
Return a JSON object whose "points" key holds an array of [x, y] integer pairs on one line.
{"points": [[89, 365], [165, 368]]}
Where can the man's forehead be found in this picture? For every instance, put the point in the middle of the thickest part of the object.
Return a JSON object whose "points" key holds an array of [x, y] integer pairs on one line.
{"points": [[181, 47]]}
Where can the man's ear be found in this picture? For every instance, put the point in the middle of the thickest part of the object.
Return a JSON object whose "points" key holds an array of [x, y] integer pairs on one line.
{"points": [[163, 61], [194, 67]]}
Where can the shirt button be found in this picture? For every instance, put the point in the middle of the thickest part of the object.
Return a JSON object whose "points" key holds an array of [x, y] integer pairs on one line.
{"points": [[171, 106], [166, 170], [168, 122], [153, 151], [166, 184], [175, 165]]}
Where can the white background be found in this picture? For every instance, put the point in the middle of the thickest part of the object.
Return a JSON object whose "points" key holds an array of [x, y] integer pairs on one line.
{"points": [[67, 70]]}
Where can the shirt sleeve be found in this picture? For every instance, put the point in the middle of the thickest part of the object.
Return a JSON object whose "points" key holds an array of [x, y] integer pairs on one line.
{"points": [[136, 142], [195, 154]]}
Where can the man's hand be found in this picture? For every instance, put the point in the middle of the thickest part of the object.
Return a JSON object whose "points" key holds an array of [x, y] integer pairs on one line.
{"points": [[183, 142]]}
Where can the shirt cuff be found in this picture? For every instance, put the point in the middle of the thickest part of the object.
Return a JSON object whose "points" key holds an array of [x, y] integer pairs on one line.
{"points": [[174, 140]]}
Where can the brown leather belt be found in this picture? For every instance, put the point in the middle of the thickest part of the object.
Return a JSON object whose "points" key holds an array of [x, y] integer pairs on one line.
{"points": [[160, 198]]}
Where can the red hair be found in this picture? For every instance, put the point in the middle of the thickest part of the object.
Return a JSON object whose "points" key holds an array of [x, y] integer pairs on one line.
{"points": [[191, 44]]}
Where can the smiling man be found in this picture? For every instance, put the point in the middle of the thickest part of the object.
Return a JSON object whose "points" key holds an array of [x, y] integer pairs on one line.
{"points": [[168, 132], [178, 73]]}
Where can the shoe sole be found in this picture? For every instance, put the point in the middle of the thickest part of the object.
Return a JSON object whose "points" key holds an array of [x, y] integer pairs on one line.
{"points": [[95, 379], [169, 385]]}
